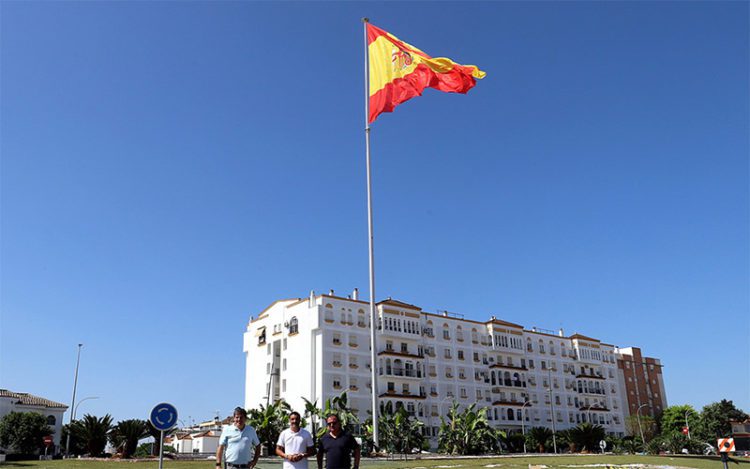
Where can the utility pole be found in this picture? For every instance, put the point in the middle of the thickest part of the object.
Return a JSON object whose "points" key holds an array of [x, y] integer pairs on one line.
{"points": [[73, 403]]}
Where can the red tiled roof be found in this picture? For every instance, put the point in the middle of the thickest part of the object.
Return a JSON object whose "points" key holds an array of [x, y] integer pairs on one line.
{"points": [[31, 400]]}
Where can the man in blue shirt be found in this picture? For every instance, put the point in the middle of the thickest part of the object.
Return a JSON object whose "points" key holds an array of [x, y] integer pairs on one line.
{"points": [[238, 443]]}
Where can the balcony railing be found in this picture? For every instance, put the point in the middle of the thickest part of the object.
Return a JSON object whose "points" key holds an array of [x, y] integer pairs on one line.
{"points": [[400, 373]]}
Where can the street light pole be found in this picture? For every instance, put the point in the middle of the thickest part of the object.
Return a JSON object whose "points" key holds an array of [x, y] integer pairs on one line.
{"points": [[75, 410], [552, 409], [523, 424], [73, 402], [687, 425], [640, 428]]}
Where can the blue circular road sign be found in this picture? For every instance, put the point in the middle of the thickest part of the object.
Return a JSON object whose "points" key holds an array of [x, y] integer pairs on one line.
{"points": [[163, 416]]}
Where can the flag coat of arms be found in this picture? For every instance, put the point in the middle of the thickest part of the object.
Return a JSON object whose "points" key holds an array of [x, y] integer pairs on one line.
{"points": [[399, 72]]}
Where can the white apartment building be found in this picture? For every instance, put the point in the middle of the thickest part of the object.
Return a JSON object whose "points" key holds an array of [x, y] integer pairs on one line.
{"points": [[318, 347]]}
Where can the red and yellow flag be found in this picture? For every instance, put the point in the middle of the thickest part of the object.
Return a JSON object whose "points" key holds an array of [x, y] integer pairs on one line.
{"points": [[399, 71]]}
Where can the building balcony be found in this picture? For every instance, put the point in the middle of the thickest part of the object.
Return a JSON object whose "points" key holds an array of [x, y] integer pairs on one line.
{"points": [[593, 409], [393, 353], [509, 367], [510, 402], [402, 395], [400, 373], [511, 384], [585, 376]]}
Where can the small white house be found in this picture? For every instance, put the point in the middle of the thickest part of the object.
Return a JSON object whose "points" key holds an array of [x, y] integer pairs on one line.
{"points": [[206, 442], [23, 402]]}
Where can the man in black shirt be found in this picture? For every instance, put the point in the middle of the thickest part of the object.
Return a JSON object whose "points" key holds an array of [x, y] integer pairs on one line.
{"points": [[338, 447]]}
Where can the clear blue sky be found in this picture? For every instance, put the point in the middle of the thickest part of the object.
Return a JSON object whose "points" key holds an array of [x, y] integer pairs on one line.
{"points": [[170, 169]]}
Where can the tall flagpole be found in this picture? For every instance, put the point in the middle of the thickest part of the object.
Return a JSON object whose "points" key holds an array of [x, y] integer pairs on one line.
{"points": [[373, 323]]}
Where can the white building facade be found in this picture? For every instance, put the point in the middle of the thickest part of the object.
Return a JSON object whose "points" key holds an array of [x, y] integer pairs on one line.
{"points": [[23, 402], [318, 347]]}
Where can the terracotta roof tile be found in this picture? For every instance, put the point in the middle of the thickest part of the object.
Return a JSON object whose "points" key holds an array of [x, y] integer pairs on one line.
{"points": [[31, 400]]}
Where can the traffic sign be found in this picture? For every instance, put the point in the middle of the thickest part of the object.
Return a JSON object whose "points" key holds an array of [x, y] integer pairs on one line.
{"points": [[725, 445], [603, 445], [47, 440], [163, 416], [685, 430]]}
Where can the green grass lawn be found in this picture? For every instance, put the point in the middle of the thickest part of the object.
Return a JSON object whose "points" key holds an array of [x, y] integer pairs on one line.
{"points": [[514, 462]]}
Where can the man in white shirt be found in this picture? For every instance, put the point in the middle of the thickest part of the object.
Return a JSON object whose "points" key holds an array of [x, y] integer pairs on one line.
{"points": [[295, 444]]}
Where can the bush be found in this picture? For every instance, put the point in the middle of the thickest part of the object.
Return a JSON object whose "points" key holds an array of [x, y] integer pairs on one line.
{"points": [[23, 432]]}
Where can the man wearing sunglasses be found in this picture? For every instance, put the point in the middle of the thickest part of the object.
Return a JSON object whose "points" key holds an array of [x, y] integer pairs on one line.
{"points": [[338, 446]]}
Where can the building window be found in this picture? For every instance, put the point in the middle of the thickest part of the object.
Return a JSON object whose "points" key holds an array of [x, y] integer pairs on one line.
{"points": [[447, 353], [283, 385], [51, 420], [404, 348], [460, 354], [293, 325]]}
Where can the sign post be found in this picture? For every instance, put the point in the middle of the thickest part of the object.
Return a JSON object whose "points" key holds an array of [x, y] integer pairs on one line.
{"points": [[603, 445], [163, 417], [47, 440], [725, 445]]}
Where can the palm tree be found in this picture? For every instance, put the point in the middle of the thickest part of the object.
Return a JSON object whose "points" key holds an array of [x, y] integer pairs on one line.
{"points": [[564, 439], [632, 444], [125, 435], [539, 437], [587, 436], [94, 432]]}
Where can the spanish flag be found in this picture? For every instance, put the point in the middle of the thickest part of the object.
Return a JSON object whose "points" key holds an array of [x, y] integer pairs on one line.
{"points": [[399, 71]]}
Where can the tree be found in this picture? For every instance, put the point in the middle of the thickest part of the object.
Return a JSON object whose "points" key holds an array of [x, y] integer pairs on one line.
{"points": [[94, 432], [23, 431], [648, 424], [315, 416], [399, 432], [674, 442], [125, 435], [539, 437], [467, 432], [514, 442], [632, 444], [154, 433], [673, 418], [339, 405], [77, 445], [270, 421], [587, 436], [714, 420], [147, 449]]}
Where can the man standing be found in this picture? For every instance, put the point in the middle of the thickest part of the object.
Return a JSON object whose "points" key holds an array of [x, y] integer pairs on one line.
{"points": [[295, 444], [238, 442], [338, 446]]}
